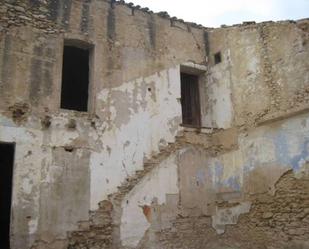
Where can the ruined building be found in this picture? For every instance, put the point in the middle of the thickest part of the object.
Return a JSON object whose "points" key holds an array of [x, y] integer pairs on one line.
{"points": [[121, 128]]}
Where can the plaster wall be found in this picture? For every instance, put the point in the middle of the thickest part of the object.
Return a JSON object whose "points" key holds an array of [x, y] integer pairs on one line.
{"points": [[148, 124], [263, 156], [66, 159], [263, 74], [137, 214], [80, 166], [235, 198]]}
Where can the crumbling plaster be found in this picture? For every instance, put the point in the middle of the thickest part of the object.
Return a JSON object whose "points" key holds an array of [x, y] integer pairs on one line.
{"points": [[131, 83], [221, 189], [65, 159], [141, 103], [264, 154], [153, 189], [264, 67]]}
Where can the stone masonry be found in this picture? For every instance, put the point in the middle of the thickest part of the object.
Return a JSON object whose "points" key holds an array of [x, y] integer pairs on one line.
{"points": [[128, 172]]}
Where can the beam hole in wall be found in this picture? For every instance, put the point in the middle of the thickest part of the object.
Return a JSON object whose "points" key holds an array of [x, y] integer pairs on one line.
{"points": [[75, 76], [69, 148], [190, 100], [7, 151], [217, 57]]}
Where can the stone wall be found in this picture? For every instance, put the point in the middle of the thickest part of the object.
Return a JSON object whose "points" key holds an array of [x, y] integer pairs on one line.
{"points": [[250, 195], [66, 159], [274, 221], [244, 186], [67, 162], [263, 74]]}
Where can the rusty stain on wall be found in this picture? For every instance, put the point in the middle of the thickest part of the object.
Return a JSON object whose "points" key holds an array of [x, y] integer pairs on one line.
{"points": [[147, 212]]}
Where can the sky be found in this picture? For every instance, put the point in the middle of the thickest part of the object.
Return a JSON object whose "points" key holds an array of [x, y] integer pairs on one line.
{"points": [[213, 13]]}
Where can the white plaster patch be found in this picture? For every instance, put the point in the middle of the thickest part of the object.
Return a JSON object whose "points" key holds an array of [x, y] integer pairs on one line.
{"points": [[33, 226], [27, 186], [156, 185], [4, 121], [228, 216], [219, 96], [28, 159], [266, 150], [150, 124]]}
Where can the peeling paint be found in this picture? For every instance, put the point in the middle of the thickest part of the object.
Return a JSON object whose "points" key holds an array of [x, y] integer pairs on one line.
{"points": [[68, 164], [135, 221]]}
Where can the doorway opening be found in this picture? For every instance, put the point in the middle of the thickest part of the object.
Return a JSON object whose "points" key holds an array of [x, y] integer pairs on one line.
{"points": [[7, 151], [190, 100]]}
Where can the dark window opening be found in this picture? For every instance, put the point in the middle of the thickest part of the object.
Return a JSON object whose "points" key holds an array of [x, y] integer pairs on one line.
{"points": [[190, 100], [75, 79], [7, 151], [217, 58]]}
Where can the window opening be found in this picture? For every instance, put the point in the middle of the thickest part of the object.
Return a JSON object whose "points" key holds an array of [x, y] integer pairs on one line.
{"points": [[75, 79], [217, 58]]}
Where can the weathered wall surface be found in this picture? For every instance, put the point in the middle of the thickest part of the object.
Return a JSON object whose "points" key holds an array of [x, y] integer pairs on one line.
{"points": [[263, 73], [66, 159], [279, 221], [156, 188], [264, 154], [67, 162], [252, 197], [238, 194], [139, 109]]}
